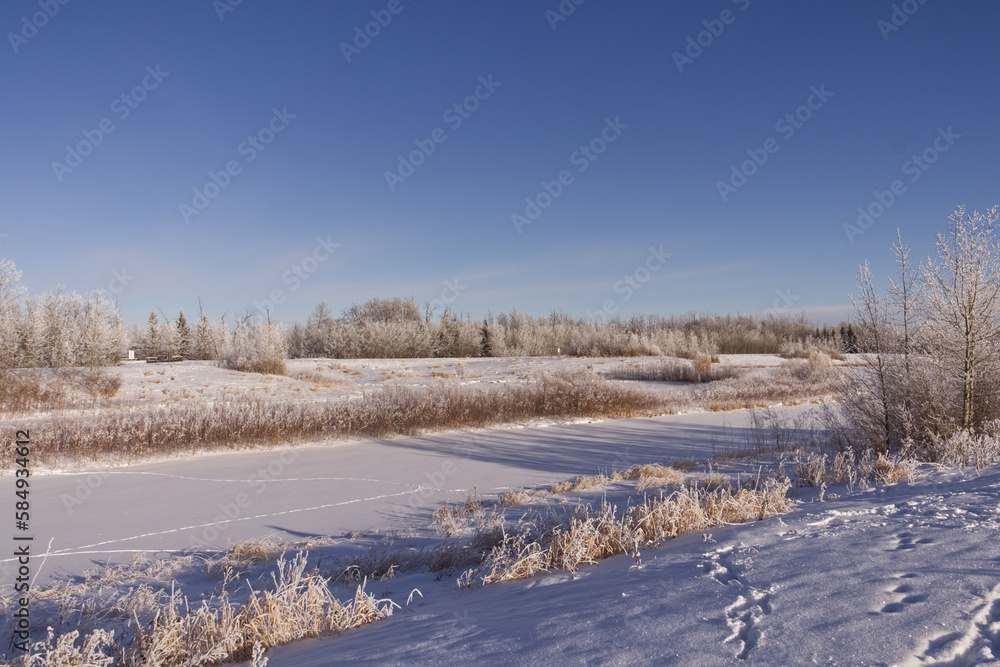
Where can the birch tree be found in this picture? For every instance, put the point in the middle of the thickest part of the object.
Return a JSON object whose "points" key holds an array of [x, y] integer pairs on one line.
{"points": [[961, 307]]}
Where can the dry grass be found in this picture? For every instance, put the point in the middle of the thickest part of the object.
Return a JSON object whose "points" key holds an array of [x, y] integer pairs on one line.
{"points": [[810, 468], [134, 433], [594, 534], [673, 370], [100, 384], [791, 383], [157, 629], [244, 554], [961, 449], [582, 483], [319, 378], [512, 498], [454, 519], [472, 505], [23, 392]]}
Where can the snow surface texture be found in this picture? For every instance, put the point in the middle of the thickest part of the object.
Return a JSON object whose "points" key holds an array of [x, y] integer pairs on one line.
{"points": [[320, 380], [899, 575], [213, 500], [904, 575]]}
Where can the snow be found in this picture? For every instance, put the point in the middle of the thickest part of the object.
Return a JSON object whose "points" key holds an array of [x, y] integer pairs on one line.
{"points": [[331, 488], [899, 575], [906, 574]]}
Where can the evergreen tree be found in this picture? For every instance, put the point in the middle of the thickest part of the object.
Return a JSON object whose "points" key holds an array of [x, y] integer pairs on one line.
{"points": [[486, 344], [153, 349], [183, 335]]}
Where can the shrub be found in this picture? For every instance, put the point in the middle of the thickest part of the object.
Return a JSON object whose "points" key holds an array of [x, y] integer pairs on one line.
{"points": [[257, 348], [703, 363], [671, 370]]}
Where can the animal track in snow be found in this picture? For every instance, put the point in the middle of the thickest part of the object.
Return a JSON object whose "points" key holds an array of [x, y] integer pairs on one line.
{"points": [[979, 644], [906, 541], [745, 614], [908, 597]]}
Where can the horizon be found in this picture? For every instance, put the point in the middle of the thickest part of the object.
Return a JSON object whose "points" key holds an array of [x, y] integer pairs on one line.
{"points": [[570, 156]]}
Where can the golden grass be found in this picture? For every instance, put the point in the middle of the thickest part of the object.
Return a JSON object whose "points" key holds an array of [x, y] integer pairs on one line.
{"points": [[169, 630], [594, 534], [134, 433], [512, 498]]}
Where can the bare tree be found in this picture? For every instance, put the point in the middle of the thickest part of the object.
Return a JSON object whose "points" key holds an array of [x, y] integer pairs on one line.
{"points": [[904, 296], [872, 409]]}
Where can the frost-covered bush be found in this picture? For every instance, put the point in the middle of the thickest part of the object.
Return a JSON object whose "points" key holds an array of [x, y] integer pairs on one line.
{"points": [[257, 347]]}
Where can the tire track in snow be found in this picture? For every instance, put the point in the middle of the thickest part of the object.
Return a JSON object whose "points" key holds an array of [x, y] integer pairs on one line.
{"points": [[743, 616]]}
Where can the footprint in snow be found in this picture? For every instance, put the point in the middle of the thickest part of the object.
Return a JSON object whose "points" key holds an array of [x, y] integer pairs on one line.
{"points": [[907, 593], [744, 616], [979, 644], [907, 541]]}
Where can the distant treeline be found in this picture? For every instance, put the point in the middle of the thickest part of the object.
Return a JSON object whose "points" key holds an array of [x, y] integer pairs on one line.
{"points": [[59, 330], [396, 328]]}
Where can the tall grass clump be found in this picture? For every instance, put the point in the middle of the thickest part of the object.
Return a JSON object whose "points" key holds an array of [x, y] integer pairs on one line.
{"points": [[149, 627], [674, 370], [592, 534]]}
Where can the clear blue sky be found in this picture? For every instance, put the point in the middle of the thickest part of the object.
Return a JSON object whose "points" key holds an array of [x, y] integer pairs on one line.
{"points": [[323, 175]]}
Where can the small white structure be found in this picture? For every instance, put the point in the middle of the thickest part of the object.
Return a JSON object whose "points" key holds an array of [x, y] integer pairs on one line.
{"points": [[131, 355]]}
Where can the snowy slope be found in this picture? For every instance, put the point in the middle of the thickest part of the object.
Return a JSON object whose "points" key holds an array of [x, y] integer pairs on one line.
{"points": [[903, 575]]}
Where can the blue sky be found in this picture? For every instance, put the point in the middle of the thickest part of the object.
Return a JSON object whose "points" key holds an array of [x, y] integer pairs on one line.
{"points": [[203, 81]]}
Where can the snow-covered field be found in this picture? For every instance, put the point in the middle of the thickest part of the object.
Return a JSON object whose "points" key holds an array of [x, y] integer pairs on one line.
{"points": [[904, 574], [320, 380], [899, 575]]}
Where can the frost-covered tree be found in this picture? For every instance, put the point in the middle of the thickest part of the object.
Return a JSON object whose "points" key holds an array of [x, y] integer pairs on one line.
{"points": [[11, 314], [100, 332], [153, 345], [183, 336], [257, 347], [961, 308]]}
